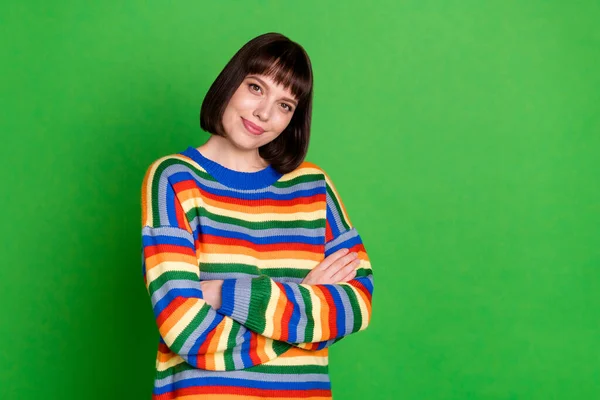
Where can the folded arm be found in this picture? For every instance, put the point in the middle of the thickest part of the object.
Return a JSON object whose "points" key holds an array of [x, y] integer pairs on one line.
{"points": [[301, 313]]}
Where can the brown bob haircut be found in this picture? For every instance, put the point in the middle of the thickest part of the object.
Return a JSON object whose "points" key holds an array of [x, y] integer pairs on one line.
{"points": [[287, 63]]}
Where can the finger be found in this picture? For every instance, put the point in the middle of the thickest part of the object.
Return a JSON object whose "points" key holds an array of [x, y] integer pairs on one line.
{"points": [[343, 272], [332, 258], [350, 276], [341, 263]]}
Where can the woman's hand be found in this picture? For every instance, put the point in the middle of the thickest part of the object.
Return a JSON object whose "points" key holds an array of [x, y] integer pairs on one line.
{"points": [[211, 292], [337, 267]]}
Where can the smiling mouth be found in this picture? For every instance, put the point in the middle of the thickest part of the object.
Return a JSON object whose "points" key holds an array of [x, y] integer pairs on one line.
{"points": [[250, 127]]}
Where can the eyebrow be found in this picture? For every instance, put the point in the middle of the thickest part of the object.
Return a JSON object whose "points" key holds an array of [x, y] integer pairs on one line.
{"points": [[265, 84]]}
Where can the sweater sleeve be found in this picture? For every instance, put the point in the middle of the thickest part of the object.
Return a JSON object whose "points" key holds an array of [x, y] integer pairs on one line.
{"points": [[302, 313], [187, 324]]}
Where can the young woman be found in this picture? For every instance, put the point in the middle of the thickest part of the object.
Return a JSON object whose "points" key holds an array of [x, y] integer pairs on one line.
{"points": [[252, 265]]}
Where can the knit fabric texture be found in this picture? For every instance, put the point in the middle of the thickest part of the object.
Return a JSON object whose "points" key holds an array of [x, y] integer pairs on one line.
{"points": [[261, 233]]}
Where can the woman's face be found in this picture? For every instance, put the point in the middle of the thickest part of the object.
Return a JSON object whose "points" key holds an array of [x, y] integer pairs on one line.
{"points": [[258, 112]]}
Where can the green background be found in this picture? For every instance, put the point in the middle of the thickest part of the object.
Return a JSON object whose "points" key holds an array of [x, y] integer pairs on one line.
{"points": [[463, 136]]}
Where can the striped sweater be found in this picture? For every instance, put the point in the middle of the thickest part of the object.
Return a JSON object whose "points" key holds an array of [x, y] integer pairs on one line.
{"points": [[261, 233]]}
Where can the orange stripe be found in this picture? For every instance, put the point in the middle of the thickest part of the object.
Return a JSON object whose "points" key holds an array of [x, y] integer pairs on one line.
{"points": [[258, 209], [145, 204], [213, 345], [190, 194], [324, 316], [308, 164], [177, 315], [261, 343], [156, 260], [165, 357], [261, 255], [298, 352], [279, 309]]}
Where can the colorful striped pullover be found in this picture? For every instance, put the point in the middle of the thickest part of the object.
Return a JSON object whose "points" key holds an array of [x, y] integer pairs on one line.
{"points": [[261, 233]]}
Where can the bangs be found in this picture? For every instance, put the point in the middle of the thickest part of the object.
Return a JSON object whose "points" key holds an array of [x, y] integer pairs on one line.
{"points": [[288, 67]]}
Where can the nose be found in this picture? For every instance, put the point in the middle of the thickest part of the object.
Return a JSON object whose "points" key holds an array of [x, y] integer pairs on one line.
{"points": [[262, 111]]}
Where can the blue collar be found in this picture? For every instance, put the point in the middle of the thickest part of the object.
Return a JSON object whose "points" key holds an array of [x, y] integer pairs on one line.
{"points": [[232, 178]]}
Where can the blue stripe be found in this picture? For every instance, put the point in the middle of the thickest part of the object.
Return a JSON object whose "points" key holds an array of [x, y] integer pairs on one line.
{"points": [[148, 240], [245, 354], [241, 195], [168, 298], [295, 318], [171, 206], [332, 223], [242, 383], [262, 240], [348, 243], [366, 282], [202, 338]]}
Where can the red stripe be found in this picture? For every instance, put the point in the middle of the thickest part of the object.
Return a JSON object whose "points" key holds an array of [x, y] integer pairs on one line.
{"points": [[361, 287], [287, 315], [192, 185], [167, 248], [333, 329], [253, 354], [204, 349], [214, 239], [292, 394], [179, 214], [168, 310], [163, 348], [328, 232]]}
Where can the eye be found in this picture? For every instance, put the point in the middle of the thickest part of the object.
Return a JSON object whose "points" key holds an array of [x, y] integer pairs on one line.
{"points": [[251, 85], [288, 106]]}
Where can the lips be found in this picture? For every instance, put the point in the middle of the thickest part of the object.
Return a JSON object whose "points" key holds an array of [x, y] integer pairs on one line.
{"points": [[252, 128]]}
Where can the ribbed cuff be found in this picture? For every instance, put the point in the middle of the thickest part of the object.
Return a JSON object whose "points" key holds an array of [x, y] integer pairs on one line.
{"points": [[244, 299], [227, 296]]}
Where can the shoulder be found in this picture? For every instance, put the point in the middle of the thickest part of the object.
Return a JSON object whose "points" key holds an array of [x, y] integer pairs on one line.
{"points": [[166, 166], [307, 171], [308, 167]]}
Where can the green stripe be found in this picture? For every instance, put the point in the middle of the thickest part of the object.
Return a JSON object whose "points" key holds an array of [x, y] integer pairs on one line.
{"points": [[280, 347], [310, 325], [196, 321], [169, 276], [289, 369], [260, 292], [156, 179], [229, 364], [201, 211], [364, 272], [308, 178], [284, 272], [355, 307], [261, 368], [224, 268], [337, 206]]}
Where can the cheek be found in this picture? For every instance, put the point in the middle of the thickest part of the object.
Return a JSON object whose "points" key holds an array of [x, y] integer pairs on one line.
{"points": [[281, 118], [243, 101]]}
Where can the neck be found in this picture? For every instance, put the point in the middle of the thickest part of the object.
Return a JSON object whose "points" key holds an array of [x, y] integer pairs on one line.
{"points": [[222, 151]]}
